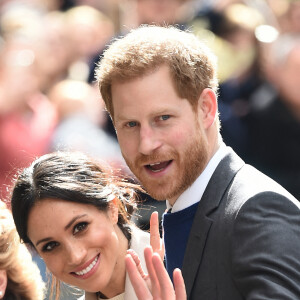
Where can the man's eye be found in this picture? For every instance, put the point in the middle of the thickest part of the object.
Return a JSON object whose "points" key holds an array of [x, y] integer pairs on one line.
{"points": [[164, 117], [80, 227], [131, 124], [49, 246]]}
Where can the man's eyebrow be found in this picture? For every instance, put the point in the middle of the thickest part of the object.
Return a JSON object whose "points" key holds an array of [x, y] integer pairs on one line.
{"points": [[66, 228], [163, 111], [121, 118], [157, 112], [73, 220]]}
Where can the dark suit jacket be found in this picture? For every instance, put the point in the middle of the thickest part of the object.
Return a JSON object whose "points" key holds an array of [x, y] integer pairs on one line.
{"points": [[279, 160], [245, 238]]}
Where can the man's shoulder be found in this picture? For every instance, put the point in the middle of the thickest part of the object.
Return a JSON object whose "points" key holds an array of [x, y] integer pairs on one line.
{"points": [[251, 185], [246, 179]]}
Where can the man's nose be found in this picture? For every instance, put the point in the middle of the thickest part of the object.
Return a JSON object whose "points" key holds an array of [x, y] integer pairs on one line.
{"points": [[149, 140]]}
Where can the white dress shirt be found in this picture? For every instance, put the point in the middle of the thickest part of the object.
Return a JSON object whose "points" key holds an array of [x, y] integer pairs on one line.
{"points": [[194, 193]]}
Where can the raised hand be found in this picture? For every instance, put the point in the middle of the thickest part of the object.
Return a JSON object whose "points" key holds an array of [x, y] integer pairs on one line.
{"points": [[157, 284]]}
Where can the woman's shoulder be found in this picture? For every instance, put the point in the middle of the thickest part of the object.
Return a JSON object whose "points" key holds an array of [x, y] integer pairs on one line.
{"points": [[139, 236]]}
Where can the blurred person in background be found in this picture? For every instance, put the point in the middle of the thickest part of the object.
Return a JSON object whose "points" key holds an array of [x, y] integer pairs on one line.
{"points": [[20, 278], [80, 117], [228, 27], [54, 52], [288, 15], [65, 40], [275, 148], [87, 31], [294, 16], [27, 118], [159, 12]]}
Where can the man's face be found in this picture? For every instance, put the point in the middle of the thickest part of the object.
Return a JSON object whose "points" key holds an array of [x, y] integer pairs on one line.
{"points": [[160, 135]]}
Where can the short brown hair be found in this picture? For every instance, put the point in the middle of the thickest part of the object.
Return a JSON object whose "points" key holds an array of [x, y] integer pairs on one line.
{"points": [[192, 65]]}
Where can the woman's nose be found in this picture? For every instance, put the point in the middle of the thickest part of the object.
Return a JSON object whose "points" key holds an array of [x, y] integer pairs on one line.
{"points": [[75, 253]]}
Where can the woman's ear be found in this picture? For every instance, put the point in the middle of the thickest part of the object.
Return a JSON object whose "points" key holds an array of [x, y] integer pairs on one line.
{"points": [[3, 283], [208, 106], [114, 210]]}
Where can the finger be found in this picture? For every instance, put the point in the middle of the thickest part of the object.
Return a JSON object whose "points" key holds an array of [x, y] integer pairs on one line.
{"points": [[148, 253], [155, 241], [179, 285], [137, 261], [166, 286], [138, 283]]}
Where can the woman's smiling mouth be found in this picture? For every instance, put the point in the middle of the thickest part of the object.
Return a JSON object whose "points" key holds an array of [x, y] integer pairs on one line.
{"points": [[87, 271]]}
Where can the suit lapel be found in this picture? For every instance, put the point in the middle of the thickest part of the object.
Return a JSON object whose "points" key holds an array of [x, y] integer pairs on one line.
{"points": [[210, 201]]}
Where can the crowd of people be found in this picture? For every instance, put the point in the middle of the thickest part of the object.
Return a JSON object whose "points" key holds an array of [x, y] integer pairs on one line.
{"points": [[54, 57]]}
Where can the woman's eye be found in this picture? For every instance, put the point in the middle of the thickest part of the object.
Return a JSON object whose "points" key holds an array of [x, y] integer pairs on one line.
{"points": [[80, 227], [49, 246]]}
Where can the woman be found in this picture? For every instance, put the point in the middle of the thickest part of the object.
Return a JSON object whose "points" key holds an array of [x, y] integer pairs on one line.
{"points": [[77, 217], [20, 278]]}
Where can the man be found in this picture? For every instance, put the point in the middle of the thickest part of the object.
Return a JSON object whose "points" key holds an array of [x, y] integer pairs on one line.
{"points": [[233, 231]]}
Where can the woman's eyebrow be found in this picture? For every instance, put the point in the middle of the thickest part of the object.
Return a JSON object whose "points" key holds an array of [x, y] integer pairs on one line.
{"points": [[73, 220], [43, 240], [66, 228]]}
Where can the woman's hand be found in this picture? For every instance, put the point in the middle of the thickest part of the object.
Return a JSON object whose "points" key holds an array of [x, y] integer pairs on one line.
{"points": [[156, 245], [155, 240], [157, 285]]}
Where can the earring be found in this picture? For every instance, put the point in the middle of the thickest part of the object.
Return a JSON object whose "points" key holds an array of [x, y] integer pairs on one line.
{"points": [[1, 294]]}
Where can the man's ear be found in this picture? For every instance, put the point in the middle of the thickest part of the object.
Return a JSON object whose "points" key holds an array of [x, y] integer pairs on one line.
{"points": [[208, 107], [3, 283], [114, 210]]}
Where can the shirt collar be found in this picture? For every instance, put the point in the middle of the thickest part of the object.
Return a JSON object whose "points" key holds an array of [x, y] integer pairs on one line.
{"points": [[194, 193]]}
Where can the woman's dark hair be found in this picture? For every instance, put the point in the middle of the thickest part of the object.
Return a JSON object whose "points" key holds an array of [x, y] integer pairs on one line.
{"points": [[73, 177]]}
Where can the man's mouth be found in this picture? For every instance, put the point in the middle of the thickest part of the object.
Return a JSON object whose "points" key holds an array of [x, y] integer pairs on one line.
{"points": [[158, 166]]}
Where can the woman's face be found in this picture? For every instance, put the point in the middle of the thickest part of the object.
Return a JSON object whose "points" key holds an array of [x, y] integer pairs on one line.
{"points": [[80, 245]]}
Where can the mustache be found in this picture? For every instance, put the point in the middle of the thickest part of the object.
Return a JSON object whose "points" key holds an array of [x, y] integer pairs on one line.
{"points": [[143, 159]]}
